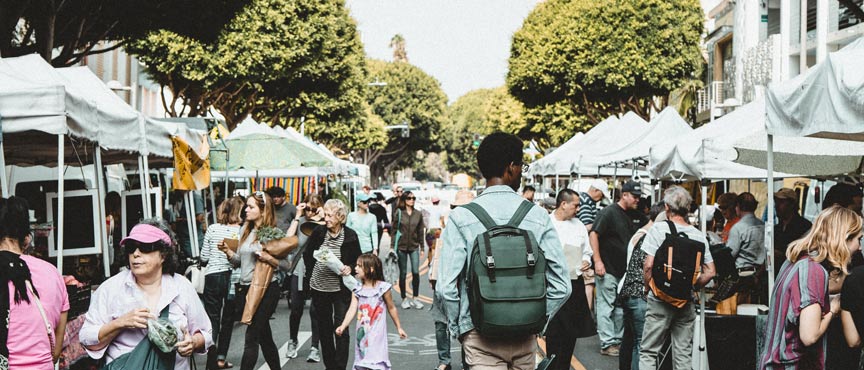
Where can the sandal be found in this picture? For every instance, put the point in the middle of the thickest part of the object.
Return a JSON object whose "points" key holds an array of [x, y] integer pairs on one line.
{"points": [[222, 364]]}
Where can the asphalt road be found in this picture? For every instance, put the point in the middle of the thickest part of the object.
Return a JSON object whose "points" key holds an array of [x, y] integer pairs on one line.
{"points": [[418, 351]]}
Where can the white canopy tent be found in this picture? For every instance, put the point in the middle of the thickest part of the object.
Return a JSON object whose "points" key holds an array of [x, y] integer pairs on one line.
{"points": [[665, 127], [586, 159], [825, 102]]}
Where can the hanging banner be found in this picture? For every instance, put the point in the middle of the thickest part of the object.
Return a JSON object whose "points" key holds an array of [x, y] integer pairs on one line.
{"points": [[191, 169]]}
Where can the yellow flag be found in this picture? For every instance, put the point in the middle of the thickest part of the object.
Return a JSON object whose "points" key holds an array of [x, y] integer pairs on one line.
{"points": [[191, 165]]}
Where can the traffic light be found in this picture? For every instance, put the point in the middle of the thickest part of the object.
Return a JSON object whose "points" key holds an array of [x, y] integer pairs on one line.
{"points": [[476, 142]]}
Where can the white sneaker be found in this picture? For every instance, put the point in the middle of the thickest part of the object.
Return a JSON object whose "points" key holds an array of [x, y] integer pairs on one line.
{"points": [[314, 355], [292, 349], [406, 303], [416, 304]]}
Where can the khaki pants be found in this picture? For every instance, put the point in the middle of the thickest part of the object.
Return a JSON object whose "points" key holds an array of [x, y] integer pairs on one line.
{"points": [[483, 353]]}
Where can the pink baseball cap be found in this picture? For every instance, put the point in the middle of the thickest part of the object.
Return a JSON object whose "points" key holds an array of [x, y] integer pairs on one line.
{"points": [[144, 233]]}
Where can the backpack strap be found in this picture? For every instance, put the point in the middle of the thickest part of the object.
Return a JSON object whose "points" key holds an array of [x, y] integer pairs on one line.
{"points": [[481, 215], [520, 214], [672, 228]]}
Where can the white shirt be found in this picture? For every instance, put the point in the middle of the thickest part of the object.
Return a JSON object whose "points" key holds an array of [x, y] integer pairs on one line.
{"points": [[574, 240], [434, 221]]}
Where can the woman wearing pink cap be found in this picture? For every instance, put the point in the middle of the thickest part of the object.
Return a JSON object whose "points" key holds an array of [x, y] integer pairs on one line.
{"points": [[116, 324]]}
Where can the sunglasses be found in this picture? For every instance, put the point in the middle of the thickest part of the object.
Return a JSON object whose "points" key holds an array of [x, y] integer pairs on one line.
{"points": [[313, 210], [261, 194], [411, 198], [131, 245]]}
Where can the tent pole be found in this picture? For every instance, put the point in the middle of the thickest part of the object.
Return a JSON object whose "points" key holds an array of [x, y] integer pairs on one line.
{"points": [[769, 223], [556, 182], [190, 222], [61, 153], [704, 223], [150, 211], [614, 175], [4, 181], [142, 176], [107, 250], [212, 202]]}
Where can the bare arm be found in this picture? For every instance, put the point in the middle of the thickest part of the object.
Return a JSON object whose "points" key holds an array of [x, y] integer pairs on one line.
{"points": [[59, 331], [394, 314], [352, 312], [599, 268], [853, 339], [812, 324], [708, 272]]}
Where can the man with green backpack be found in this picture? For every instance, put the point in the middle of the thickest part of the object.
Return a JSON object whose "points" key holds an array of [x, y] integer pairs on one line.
{"points": [[502, 273]]}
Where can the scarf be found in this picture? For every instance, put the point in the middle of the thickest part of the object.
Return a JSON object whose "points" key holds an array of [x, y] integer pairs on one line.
{"points": [[12, 268]]}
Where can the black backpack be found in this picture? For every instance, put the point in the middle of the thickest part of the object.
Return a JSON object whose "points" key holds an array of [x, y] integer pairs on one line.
{"points": [[677, 265], [506, 277]]}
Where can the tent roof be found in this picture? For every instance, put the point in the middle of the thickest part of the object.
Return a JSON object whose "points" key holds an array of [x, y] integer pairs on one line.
{"points": [[25, 103], [246, 150], [666, 126], [554, 162], [708, 151], [827, 101], [615, 138]]}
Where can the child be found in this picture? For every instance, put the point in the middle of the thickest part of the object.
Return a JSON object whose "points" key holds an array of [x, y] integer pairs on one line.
{"points": [[370, 351]]}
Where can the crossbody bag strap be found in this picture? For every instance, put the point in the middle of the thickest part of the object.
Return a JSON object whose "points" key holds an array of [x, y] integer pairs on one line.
{"points": [[48, 327]]}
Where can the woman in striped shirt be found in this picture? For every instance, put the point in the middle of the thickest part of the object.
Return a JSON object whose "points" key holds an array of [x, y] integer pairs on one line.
{"points": [[801, 309], [330, 297], [217, 277]]}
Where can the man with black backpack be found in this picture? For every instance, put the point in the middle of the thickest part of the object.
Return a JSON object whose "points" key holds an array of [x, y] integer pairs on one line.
{"points": [[502, 272], [677, 262]]}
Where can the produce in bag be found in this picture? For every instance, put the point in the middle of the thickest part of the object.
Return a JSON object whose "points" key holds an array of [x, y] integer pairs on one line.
{"points": [[163, 334], [325, 256], [261, 276]]}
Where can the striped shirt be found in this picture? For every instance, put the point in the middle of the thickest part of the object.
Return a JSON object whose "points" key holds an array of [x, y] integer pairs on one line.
{"points": [[798, 285], [587, 212], [215, 259], [324, 279]]}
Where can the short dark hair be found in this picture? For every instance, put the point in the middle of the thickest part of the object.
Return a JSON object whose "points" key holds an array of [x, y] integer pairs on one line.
{"points": [[496, 152], [14, 219], [275, 192], [727, 200], [565, 195], [529, 188], [747, 202], [841, 194]]}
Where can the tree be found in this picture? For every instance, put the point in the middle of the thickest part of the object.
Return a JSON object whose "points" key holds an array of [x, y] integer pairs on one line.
{"points": [[411, 97], [597, 58], [278, 60], [397, 43], [75, 29], [474, 115]]}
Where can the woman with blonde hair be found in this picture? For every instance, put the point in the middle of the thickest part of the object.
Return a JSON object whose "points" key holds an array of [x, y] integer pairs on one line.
{"points": [[259, 213], [801, 310]]}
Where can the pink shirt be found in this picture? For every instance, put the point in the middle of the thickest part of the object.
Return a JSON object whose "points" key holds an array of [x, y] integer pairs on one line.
{"points": [[28, 343], [117, 296]]}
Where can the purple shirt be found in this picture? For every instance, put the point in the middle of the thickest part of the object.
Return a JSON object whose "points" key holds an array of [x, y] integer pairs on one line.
{"points": [[798, 285], [118, 295]]}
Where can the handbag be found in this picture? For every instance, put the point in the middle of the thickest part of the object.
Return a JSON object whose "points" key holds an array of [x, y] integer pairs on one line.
{"points": [[145, 356], [195, 274]]}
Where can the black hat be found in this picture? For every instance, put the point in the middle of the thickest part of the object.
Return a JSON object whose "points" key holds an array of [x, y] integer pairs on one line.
{"points": [[632, 187]]}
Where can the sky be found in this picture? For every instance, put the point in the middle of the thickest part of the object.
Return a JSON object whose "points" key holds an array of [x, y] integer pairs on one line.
{"points": [[463, 44]]}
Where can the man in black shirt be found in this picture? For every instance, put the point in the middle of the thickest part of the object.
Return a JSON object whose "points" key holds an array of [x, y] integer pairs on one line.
{"points": [[791, 226], [380, 213], [612, 230], [394, 201]]}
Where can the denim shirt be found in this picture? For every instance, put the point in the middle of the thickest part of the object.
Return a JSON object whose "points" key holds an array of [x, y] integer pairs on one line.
{"points": [[462, 228]]}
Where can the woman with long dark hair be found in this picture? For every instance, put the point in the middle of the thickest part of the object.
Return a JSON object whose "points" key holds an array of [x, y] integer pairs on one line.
{"points": [[407, 236]]}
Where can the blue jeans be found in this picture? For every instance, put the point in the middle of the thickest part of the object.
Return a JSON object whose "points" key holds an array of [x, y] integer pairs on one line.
{"points": [[634, 322], [415, 271], [610, 318]]}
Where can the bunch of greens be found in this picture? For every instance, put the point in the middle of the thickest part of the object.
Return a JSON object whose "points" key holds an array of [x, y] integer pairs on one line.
{"points": [[163, 334], [267, 234]]}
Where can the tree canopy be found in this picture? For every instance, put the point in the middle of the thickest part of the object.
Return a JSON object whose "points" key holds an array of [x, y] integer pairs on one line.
{"points": [[410, 96], [596, 58], [77, 28], [277, 60]]}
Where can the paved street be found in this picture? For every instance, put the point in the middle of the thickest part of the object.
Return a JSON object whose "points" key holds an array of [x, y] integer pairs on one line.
{"points": [[416, 352]]}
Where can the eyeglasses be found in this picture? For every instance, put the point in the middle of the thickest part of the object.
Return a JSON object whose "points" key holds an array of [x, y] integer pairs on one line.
{"points": [[312, 210], [131, 245], [411, 198], [525, 166]]}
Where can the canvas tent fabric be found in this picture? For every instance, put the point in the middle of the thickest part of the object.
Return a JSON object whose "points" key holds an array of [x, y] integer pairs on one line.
{"points": [[245, 145], [827, 101], [545, 165], [665, 127], [708, 152], [25, 103], [805, 156], [585, 159]]}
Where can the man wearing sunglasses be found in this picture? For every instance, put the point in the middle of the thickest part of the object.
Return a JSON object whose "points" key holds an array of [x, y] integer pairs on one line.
{"points": [[394, 201]]}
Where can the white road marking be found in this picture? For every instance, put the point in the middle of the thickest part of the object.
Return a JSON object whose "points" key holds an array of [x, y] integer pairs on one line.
{"points": [[302, 337]]}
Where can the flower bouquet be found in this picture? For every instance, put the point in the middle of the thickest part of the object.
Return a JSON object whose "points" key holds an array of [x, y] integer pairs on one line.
{"points": [[261, 276], [329, 259]]}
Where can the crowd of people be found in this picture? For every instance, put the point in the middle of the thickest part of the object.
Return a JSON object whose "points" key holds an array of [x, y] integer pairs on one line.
{"points": [[600, 270]]}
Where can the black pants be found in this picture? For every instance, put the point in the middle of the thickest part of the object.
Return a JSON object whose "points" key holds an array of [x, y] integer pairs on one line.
{"points": [[573, 320], [330, 310], [297, 302], [215, 294], [229, 315], [258, 331]]}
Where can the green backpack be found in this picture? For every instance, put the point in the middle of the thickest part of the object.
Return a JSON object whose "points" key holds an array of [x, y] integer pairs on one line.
{"points": [[506, 277]]}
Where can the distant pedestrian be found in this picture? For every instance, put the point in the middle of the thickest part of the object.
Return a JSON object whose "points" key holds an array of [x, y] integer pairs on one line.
{"points": [[500, 161], [407, 240], [528, 193], [365, 224], [727, 203], [380, 213], [790, 226], [747, 243], [611, 232], [434, 224], [368, 303], [394, 202], [588, 209], [662, 319], [801, 309], [284, 210]]}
